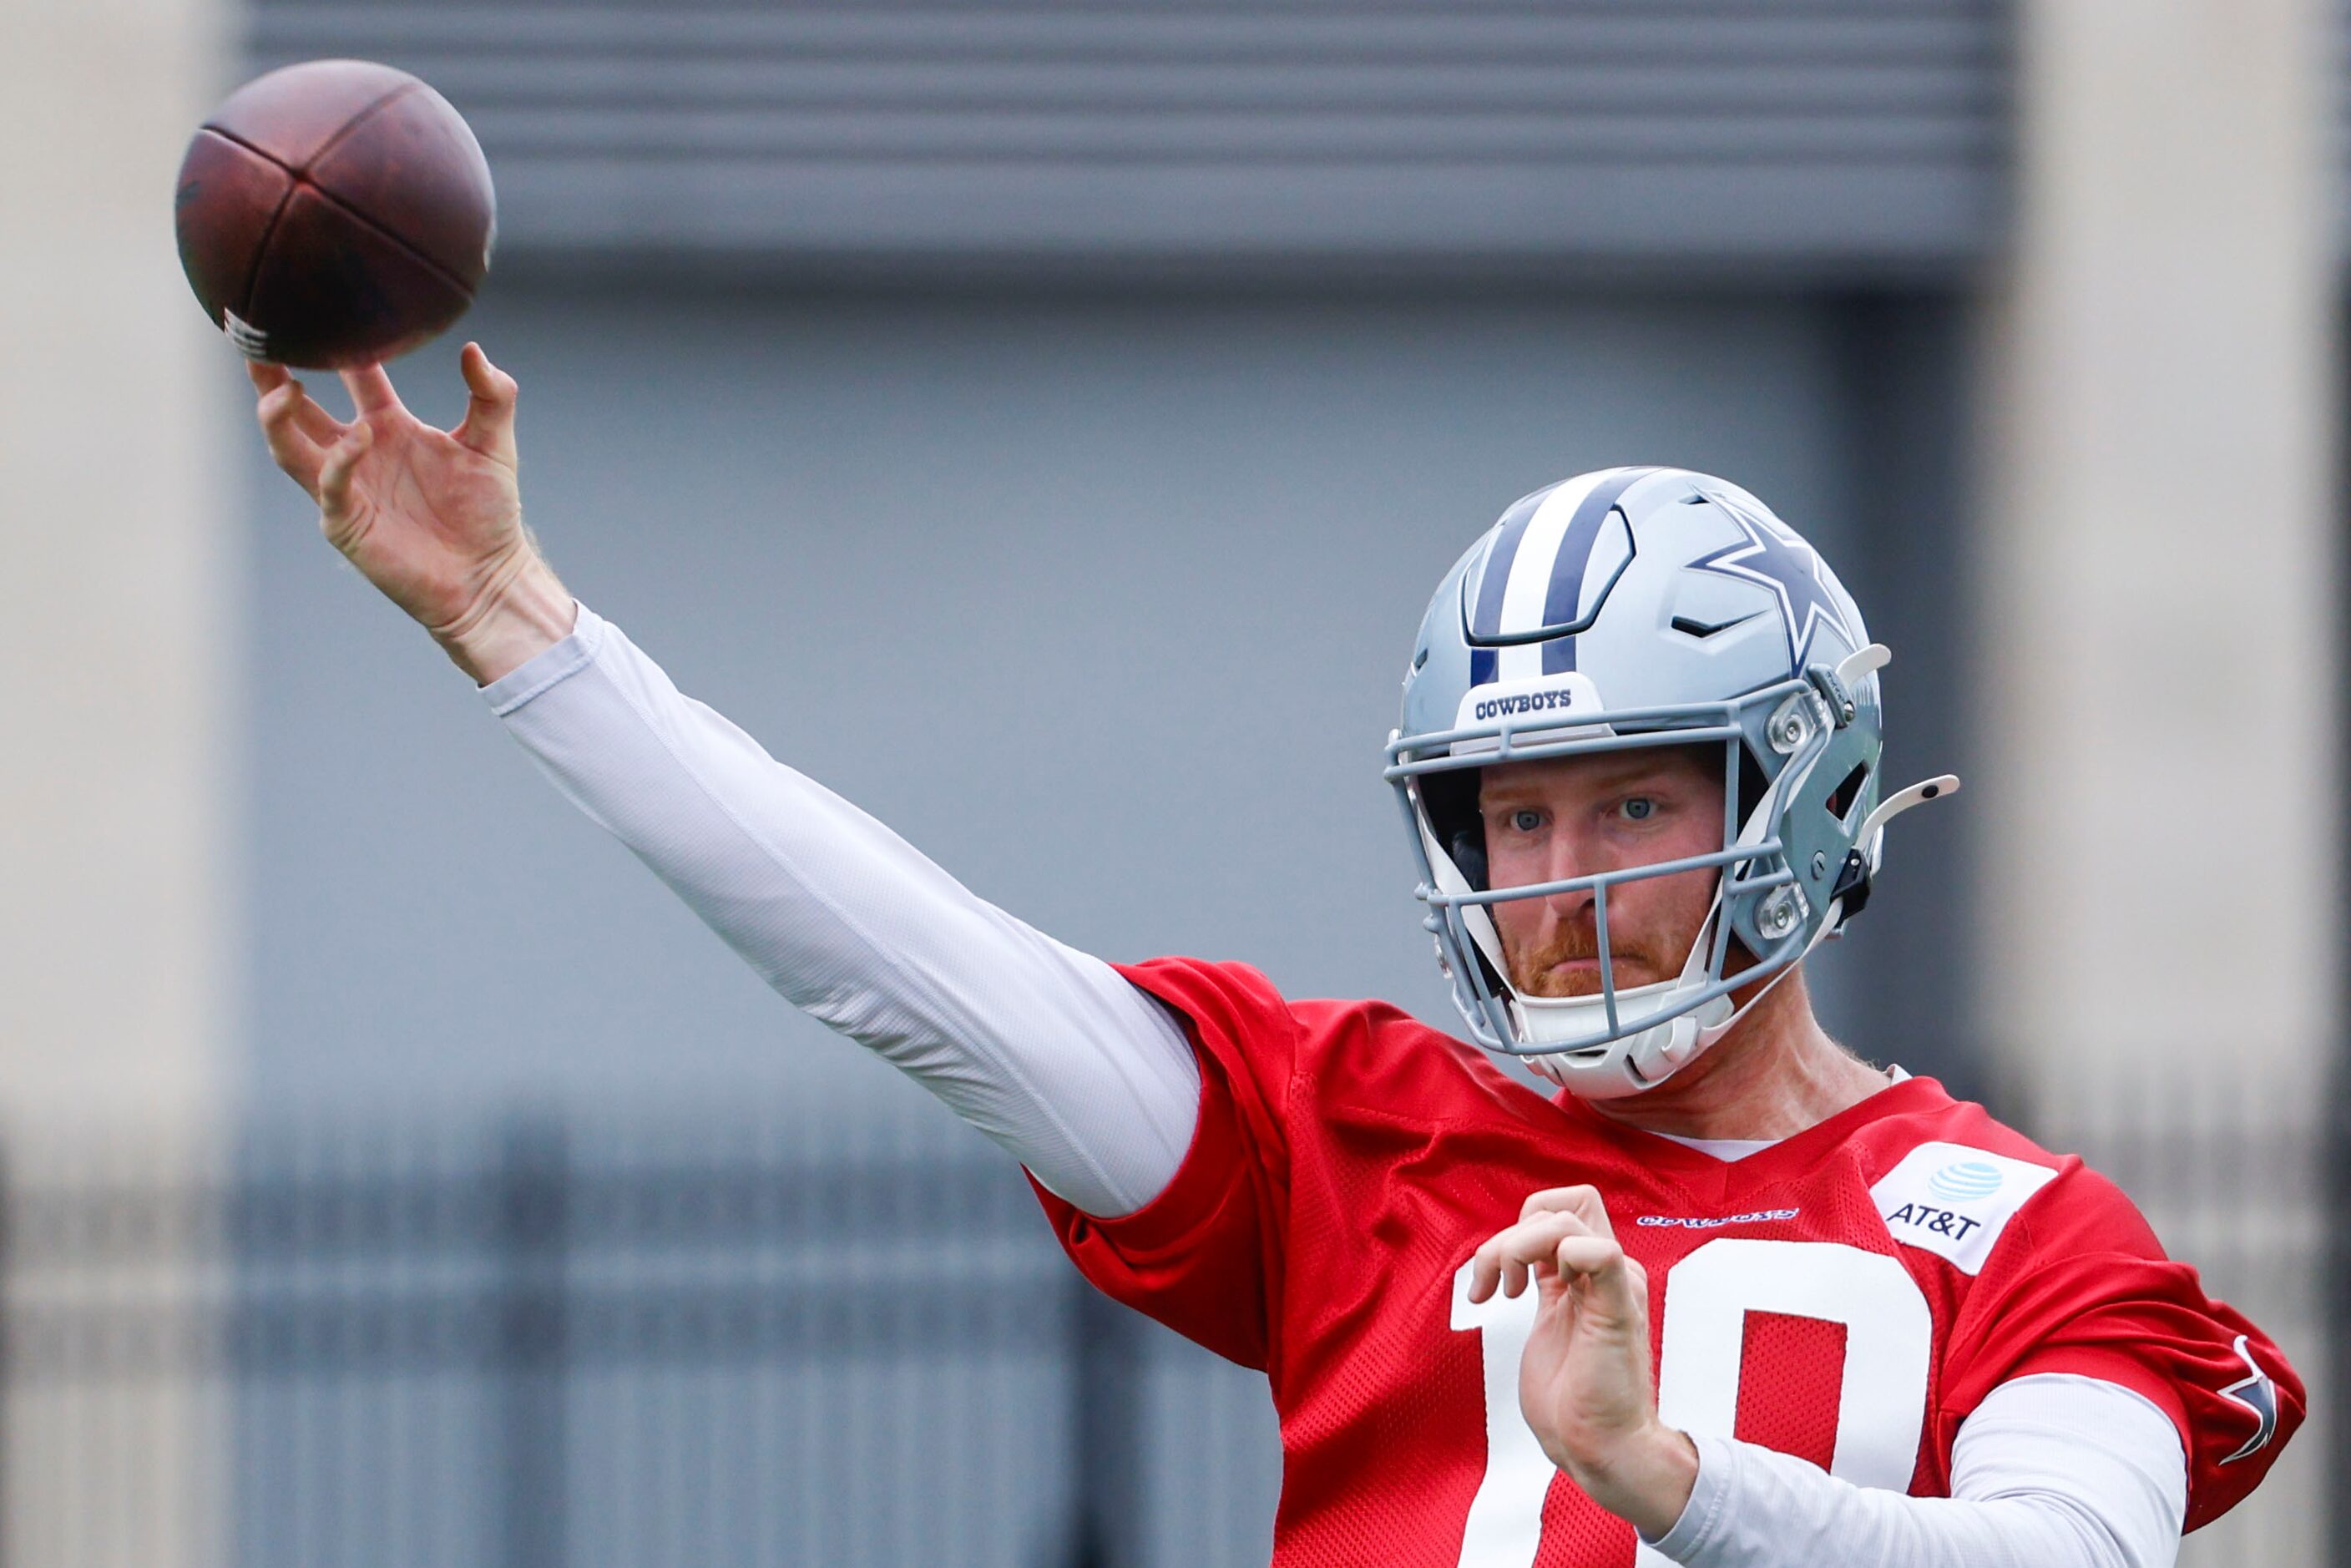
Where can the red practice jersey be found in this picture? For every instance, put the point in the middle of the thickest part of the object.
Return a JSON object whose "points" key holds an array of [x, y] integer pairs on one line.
{"points": [[1847, 1295]]}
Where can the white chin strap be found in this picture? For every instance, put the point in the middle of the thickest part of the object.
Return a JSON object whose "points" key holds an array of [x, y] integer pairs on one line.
{"points": [[1644, 1055]]}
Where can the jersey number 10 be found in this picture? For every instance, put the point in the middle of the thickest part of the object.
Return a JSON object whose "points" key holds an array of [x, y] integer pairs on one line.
{"points": [[1880, 1394]]}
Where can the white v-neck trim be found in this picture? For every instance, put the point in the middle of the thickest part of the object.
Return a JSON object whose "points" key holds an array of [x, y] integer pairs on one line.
{"points": [[1723, 1148], [1728, 1150]]}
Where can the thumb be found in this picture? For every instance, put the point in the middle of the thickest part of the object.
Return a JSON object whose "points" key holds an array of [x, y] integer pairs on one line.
{"points": [[488, 425]]}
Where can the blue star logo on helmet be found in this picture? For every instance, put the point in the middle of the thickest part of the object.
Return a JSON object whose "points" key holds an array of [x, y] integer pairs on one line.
{"points": [[1790, 568]]}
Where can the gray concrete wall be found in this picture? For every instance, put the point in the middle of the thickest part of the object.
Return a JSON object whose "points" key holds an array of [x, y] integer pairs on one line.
{"points": [[119, 924], [119, 614]]}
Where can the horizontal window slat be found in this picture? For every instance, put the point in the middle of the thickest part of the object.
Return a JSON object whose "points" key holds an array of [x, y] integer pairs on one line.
{"points": [[1708, 129]]}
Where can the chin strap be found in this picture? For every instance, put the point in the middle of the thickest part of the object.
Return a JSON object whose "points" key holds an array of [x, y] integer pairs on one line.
{"points": [[1868, 852], [1862, 662], [1709, 1033], [1901, 801], [1873, 830]]}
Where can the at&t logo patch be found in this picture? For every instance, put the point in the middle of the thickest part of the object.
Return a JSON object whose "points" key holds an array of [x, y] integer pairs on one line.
{"points": [[1954, 1200], [1965, 1181]]}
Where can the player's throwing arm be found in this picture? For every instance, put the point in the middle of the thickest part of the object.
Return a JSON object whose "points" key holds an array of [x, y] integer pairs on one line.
{"points": [[1043, 1049]]}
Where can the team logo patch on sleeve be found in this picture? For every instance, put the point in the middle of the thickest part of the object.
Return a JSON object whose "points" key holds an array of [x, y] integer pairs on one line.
{"points": [[1954, 1200], [2258, 1394]]}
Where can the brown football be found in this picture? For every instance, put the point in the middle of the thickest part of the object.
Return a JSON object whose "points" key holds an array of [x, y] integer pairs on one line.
{"points": [[334, 212]]}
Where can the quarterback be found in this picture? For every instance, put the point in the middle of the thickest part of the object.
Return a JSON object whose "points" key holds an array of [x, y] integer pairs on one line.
{"points": [[1731, 1295]]}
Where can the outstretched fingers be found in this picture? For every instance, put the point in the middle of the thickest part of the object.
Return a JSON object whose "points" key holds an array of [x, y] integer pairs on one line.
{"points": [[297, 430], [341, 460], [489, 424], [370, 389]]}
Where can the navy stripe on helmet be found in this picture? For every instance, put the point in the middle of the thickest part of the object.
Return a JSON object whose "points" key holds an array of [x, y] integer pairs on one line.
{"points": [[1485, 619], [1575, 549]]}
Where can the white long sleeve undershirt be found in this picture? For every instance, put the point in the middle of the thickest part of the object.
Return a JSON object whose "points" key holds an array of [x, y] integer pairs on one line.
{"points": [[1093, 1086], [1086, 1080], [2048, 1469]]}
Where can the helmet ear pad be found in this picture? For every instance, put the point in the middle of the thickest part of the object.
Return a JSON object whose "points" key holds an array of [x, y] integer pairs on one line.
{"points": [[1450, 799], [1753, 783]]}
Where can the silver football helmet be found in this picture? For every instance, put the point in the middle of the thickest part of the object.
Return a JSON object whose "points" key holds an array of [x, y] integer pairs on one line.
{"points": [[1646, 607]]}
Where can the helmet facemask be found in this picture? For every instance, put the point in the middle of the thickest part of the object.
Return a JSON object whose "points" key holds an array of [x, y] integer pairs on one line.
{"points": [[1620, 1039]]}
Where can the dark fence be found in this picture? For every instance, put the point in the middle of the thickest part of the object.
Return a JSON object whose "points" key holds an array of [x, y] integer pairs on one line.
{"points": [[536, 1357], [556, 1347]]}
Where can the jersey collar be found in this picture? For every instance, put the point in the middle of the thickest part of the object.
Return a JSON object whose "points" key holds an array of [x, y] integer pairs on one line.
{"points": [[1709, 1175]]}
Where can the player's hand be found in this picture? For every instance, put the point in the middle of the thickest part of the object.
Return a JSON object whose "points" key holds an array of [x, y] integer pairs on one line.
{"points": [[432, 517], [1584, 1381]]}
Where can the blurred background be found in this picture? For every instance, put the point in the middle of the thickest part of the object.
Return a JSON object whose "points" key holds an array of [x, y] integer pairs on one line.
{"points": [[1044, 425]]}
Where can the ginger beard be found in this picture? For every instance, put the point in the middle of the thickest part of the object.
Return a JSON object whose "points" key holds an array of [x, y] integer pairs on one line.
{"points": [[1577, 816]]}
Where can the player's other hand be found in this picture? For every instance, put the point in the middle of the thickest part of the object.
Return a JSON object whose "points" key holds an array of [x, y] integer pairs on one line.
{"points": [[432, 517], [1584, 1381]]}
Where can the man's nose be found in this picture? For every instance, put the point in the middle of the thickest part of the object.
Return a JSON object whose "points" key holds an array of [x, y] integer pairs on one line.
{"points": [[1570, 857]]}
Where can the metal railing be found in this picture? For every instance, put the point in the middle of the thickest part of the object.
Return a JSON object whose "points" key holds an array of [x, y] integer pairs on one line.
{"points": [[539, 1358], [536, 1348]]}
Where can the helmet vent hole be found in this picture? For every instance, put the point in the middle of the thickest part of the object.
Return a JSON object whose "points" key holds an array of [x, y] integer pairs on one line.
{"points": [[1702, 630], [1842, 798]]}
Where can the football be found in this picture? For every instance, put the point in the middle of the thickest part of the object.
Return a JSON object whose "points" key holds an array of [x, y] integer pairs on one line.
{"points": [[334, 212]]}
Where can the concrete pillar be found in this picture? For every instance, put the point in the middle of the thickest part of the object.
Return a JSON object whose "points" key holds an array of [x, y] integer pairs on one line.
{"points": [[118, 619], [2157, 903]]}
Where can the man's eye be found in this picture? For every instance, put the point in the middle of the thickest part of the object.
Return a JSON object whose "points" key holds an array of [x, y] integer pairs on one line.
{"points": [[1639, 808], [1526, 821]]}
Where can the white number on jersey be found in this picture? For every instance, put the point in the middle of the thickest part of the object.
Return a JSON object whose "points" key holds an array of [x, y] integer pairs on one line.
{"points": [[1881, 1393]]}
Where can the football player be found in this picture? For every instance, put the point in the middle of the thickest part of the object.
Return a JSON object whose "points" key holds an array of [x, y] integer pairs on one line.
{"points": [[1731, 1296]]}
